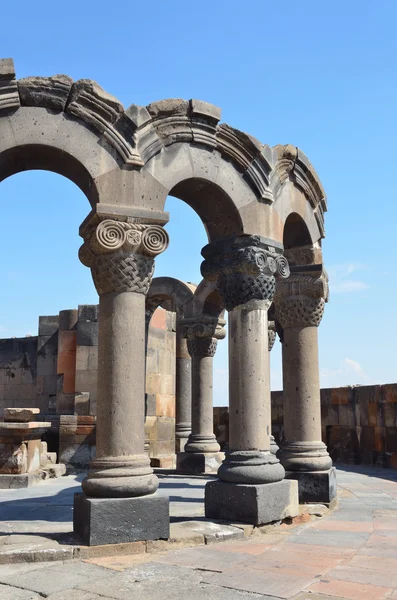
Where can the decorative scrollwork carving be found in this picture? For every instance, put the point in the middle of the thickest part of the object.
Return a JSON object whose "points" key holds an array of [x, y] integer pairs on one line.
{"points": [[271, 334], [245, 270], [300, 300], [121, 255], [202, 336]]}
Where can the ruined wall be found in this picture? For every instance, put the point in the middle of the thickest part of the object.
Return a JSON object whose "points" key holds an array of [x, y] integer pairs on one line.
{"points": [[160, 389], [57, 373], [359, 423], [18, 372]]}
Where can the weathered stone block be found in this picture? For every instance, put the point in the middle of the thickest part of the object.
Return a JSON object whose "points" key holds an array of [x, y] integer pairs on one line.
{"points": [[165, 429], [82, 403], [165, 405], [88, 312], [315, 486], [197, 462], [87, 333], [82, 355], [20, 415], [115, 520], [255, 504], [48, 325], [150, 405], [23, 480]]}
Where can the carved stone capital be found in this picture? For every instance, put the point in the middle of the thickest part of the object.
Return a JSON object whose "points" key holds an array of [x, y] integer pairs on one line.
{"points": [[202, 336], [121, 255], [245, 269], [300, 300], [271, 334]]}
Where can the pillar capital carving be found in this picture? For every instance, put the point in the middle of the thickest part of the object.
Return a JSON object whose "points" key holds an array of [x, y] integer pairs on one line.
{"points": [[203, 335], [271, 334], [121, 254], [245, 269], [300, 300]]}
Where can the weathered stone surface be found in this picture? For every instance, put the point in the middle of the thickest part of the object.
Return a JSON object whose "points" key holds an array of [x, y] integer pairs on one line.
{"points": [[114, 520], [316, 486], [9, 97], [14, 593], [255, 504], [21, 480], [51, 92], [20, 415]]}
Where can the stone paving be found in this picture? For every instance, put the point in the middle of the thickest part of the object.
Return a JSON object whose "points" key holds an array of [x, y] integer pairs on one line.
{"points": [[350, 554]]}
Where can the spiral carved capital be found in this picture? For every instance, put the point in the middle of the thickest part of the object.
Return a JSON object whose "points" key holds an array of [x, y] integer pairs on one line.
{"points": [[121, 255], [202, 336], [245, 272], [300, 300]]}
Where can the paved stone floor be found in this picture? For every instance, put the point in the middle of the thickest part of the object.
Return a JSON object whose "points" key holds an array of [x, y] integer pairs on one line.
{"points": [[350, 554]]}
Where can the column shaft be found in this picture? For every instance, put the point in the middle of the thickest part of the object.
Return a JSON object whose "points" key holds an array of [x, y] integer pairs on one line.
{"points": [[183, 423], [249, 391], [202, 391], [302, 412], [249, 459], [121, 388]]}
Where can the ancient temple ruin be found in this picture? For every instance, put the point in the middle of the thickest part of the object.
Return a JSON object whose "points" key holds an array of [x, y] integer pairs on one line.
{"points": [[263, 210]]}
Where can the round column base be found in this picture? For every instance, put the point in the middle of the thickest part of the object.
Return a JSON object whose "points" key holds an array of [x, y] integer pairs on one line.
{"points": [[183, 430], [120, 477], [251, 467], [202, 443], [305, 456]]}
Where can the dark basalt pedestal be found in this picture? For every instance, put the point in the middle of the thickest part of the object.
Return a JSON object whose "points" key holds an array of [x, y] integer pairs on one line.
{"points": [[255, 504], [100, 521], [315, 486]]}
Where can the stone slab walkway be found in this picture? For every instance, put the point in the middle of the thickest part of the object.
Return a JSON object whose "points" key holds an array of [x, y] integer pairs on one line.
{"points": [[350, 554]]}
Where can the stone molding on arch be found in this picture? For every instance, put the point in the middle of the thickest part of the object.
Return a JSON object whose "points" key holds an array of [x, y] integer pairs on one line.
{"points": [[248, 172]]}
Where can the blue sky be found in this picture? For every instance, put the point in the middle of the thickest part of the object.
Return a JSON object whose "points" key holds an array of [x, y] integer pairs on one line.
{"points": [[322, 76]]}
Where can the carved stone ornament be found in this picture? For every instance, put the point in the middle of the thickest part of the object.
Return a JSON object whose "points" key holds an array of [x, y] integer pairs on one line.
{"points": [[121, 255], [271, 334], [202, 336], [300, 300], [245, 272]]}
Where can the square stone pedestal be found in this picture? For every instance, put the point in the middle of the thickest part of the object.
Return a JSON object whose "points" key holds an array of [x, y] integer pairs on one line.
{"points": [[114, 520], [315, 486], [198, 463], [254, 504]]}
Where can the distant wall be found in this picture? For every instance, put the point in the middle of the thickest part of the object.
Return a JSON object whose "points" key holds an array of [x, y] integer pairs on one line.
{"points": [[359, 423]]}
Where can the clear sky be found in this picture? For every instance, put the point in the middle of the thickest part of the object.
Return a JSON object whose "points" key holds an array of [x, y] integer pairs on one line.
{"points": [[318, 75]]}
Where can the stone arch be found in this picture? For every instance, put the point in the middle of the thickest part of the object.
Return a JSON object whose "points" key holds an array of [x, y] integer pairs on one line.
{"points": [[297, 191], [170, 293], [53, 124]]}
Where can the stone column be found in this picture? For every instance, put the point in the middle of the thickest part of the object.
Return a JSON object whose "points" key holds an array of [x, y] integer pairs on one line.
{"points": [[300, 302], [271, 338], [120, 485], [251, 487], [202, 451], [183, 392]]}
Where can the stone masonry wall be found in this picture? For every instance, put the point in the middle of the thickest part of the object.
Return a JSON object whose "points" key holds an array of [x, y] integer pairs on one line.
{"points": [[56, 372], [160, 389], [359, 423]]}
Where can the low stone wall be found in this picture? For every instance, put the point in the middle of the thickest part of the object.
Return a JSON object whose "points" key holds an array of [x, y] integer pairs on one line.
{"points": [[359, 423]]}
